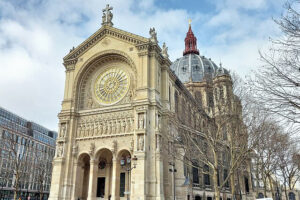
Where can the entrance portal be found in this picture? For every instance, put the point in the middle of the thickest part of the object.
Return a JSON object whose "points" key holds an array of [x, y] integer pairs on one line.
{"points": [[101, 187]]}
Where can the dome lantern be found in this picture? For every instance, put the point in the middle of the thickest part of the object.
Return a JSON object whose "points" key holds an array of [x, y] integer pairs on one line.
{"points": [[190, 42]]}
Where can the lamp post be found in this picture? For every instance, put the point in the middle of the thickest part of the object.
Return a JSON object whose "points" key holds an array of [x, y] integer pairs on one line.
{"points": [[173, 170], [126, 163]]}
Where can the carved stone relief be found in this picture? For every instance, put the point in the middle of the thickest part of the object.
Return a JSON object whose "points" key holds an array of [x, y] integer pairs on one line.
{"points": [[105, 124]]}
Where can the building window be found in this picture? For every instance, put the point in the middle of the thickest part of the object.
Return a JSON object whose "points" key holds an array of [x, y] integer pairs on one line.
{"points": [[195, 175], [122, 184], [246, 184], [206, 175], [225, 176], [176, 102]]}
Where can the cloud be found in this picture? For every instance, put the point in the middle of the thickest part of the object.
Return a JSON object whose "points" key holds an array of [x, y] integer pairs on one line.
{"points": [[36, 34]]}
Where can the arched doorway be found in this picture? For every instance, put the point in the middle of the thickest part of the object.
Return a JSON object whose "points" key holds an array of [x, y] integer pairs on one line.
{"points": [[198, 197], [83, 176], [104, 174]]}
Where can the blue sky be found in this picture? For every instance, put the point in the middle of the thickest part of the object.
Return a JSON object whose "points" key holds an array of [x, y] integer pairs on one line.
{"points": [[36, 34]]}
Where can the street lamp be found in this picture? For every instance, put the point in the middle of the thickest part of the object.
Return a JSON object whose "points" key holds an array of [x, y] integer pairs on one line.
{"points": [[125, 163], [173, 170]]}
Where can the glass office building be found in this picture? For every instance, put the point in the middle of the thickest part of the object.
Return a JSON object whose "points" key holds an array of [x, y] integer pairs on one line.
{"points": [[26, 153]]}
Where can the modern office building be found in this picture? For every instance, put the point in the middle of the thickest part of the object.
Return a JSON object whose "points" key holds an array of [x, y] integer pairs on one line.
{"points": [[26, 153]]}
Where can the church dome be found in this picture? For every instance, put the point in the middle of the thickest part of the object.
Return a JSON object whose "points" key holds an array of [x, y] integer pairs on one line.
{"points": [[192, 67]]}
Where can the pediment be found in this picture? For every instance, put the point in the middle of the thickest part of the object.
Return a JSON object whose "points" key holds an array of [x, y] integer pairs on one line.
{"points": [[99, 35]]}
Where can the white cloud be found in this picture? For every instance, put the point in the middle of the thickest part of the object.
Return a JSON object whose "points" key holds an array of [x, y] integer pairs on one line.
{"points": [[35, 36]]}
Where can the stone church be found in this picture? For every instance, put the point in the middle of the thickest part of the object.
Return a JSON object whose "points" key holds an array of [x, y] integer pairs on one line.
{"points": [[122, 96]]}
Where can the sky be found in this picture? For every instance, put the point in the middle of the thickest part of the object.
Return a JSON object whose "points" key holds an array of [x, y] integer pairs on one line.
{"points": [[35, 35]]}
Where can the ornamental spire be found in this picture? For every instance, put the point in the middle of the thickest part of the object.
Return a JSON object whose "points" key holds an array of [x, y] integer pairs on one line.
{"points": [[190, 42]]}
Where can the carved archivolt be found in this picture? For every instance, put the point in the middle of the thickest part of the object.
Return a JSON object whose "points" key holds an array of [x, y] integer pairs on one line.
{"points": [[105, 124]]}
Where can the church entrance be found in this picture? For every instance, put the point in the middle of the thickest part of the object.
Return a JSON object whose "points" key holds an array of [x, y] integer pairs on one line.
{"points": [[104, 174], [101, 187]]}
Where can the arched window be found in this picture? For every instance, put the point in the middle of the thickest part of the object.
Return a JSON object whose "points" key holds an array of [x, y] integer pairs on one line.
{"points": [[221, 93]]}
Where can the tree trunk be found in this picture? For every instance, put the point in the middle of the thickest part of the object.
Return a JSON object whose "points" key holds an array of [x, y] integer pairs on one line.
{"points": [[232, 184], [271, 187], [215, 182]]}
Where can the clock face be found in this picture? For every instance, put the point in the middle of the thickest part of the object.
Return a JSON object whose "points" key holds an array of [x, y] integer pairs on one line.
{"points": [[111, 86]]}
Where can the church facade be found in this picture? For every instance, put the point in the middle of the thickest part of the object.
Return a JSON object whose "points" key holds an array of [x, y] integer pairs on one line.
{"points": [[122, 97]]}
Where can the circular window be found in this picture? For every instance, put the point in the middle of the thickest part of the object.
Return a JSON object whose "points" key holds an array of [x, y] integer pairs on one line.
{"points": [[111, 86]]}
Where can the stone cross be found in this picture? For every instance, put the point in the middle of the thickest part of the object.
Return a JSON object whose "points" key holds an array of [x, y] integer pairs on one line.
{"points": [[107, 16]]}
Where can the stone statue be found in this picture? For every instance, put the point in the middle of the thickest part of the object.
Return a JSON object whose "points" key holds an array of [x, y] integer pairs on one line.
{"points": [[59, 150], [164, 51], [107, 16], [63, 130], [117, 126], [153, 35], [113, 128], [141, 121], [100, 128], [108, 128], [123, 126], [104, 128], [141, 143], [103, 18]]}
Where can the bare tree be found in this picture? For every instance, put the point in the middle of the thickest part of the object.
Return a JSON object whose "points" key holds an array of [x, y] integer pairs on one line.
{"points": [[276, 84], [226, 141], [270, 144], [17, 156], [288, 168]]}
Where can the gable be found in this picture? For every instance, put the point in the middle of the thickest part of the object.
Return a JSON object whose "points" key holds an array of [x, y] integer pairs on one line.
{"points": [[99, 35]]}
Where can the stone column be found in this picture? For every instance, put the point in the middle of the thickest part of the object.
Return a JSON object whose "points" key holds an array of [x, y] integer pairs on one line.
{"points": [[107, 180], [92, 180], [114, 180], [75, 179]]}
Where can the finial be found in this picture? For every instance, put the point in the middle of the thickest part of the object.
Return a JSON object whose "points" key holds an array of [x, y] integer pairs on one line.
{"points": [[220, 64], [190, 21]]}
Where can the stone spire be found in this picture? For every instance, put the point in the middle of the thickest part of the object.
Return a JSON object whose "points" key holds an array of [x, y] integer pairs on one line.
{"points": [[107, 16], [190, 42]]}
